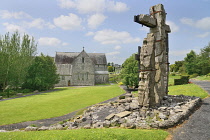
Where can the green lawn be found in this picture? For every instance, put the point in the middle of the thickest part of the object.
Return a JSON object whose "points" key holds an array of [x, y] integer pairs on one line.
{"points": [[87, 134], [203, 78], [54, 104], [188, 90]]}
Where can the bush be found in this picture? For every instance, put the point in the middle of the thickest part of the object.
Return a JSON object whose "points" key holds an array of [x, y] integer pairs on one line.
{"points": [[120, 83], [26, 91], [193, 75], [182, 81], [122, 97], [208, 74], [173, 74]]}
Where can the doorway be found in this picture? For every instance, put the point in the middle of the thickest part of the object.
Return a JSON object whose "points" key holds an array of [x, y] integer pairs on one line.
{"points": [[69, 83]]}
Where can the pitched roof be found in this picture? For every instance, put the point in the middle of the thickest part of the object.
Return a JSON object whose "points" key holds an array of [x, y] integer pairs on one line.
{"points": [[68, 57]]}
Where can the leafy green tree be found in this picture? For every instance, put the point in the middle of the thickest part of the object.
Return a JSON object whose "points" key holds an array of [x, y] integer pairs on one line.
{"points": [[129, 72], [41, 74], [191, 63], [16, 55], [172, 67], [178, 65], [110, 69], [204, 60]]}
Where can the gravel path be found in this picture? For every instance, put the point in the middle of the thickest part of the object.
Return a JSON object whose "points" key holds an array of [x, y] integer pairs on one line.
{"points": [[198, 125], [50, 121]]}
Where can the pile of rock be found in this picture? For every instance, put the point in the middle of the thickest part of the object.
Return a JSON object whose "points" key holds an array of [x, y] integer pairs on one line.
{"points": [[126, 113]]}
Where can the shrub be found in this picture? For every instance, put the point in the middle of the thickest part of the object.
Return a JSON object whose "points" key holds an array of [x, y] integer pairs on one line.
{"points": [[122, 97], [208, 74], [193, 75], [120, 83], [173, 74], [182, 81]]}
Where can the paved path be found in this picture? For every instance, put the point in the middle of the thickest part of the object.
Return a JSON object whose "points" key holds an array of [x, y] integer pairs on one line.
{"points": [[198, 125], [50, 121]]}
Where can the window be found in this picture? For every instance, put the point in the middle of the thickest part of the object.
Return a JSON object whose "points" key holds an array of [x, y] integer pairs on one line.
{"points": [[87, 75], [83, 60], [63, 78]]}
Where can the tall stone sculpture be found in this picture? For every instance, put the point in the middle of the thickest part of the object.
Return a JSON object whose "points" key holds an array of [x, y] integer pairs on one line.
{"points": [[154, 66]]}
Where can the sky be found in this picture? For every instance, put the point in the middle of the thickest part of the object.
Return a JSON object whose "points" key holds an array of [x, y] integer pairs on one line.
{"points": [[105, 26]]}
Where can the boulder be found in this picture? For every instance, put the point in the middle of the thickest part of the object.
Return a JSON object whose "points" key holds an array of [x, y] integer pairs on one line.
{"points": [[31, 128], [19, 94], [43, 128]]}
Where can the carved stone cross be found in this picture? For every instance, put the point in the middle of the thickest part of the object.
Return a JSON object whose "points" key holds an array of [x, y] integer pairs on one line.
{"points": [[154, 66]]}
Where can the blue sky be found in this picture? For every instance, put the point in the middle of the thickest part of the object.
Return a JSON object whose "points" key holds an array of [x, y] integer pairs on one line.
{"points": [[105, 26]]}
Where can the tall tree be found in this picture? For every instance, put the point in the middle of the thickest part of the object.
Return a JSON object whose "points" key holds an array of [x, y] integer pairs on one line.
{"points": [[191, 64], [129, 72], [204, 60], [16, 54], [41, 74]]}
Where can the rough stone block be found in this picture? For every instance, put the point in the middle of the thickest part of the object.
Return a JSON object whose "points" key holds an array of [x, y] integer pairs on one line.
{"points": [[109, 117], [123, 114]]}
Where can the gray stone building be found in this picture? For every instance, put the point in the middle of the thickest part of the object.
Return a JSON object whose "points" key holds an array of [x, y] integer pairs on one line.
{"points": [[81, 68]]}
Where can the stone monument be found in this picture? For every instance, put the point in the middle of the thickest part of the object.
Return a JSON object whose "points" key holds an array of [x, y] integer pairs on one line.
{"points": [[154, 66]]}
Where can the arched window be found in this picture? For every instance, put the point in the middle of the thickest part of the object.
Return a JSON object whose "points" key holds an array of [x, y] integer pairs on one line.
{"points": [[83, 60]]}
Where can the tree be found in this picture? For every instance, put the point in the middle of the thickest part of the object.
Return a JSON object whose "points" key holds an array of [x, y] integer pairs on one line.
{"points": [[129, 73], [16, 55], [178, 65], [41, 74], [204, 60], [110, 69], [191, 63]]}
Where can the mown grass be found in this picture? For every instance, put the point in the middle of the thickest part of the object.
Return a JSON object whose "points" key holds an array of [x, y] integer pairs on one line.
{"points": [[87, 134], [188, 90], [203, 78], [54, 104]]}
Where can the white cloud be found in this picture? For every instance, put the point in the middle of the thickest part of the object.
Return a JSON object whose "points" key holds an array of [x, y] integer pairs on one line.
{"points": [[203, 23], [117, 6], [66, 4], [17, 15], [90, 6], [112, 53], [39, 23], [70, 22], [64, 44], [95, 20], [203, 35], [114, 37], [51, 41], [117, 47], [13, 28], [89, 34], [173, 26], [187, 21]]}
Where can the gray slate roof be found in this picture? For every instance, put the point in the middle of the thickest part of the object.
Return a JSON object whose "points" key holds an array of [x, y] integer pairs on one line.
{"points": [[68, 57]]}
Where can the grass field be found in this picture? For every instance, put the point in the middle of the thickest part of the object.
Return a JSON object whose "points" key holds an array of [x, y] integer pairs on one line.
{"points": [[87, 134], [203, 78], [54, 104], [188, 90]]}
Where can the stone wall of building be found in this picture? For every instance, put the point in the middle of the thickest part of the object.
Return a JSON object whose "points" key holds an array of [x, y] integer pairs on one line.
{"points": [[83, 72], [65, 72]]}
